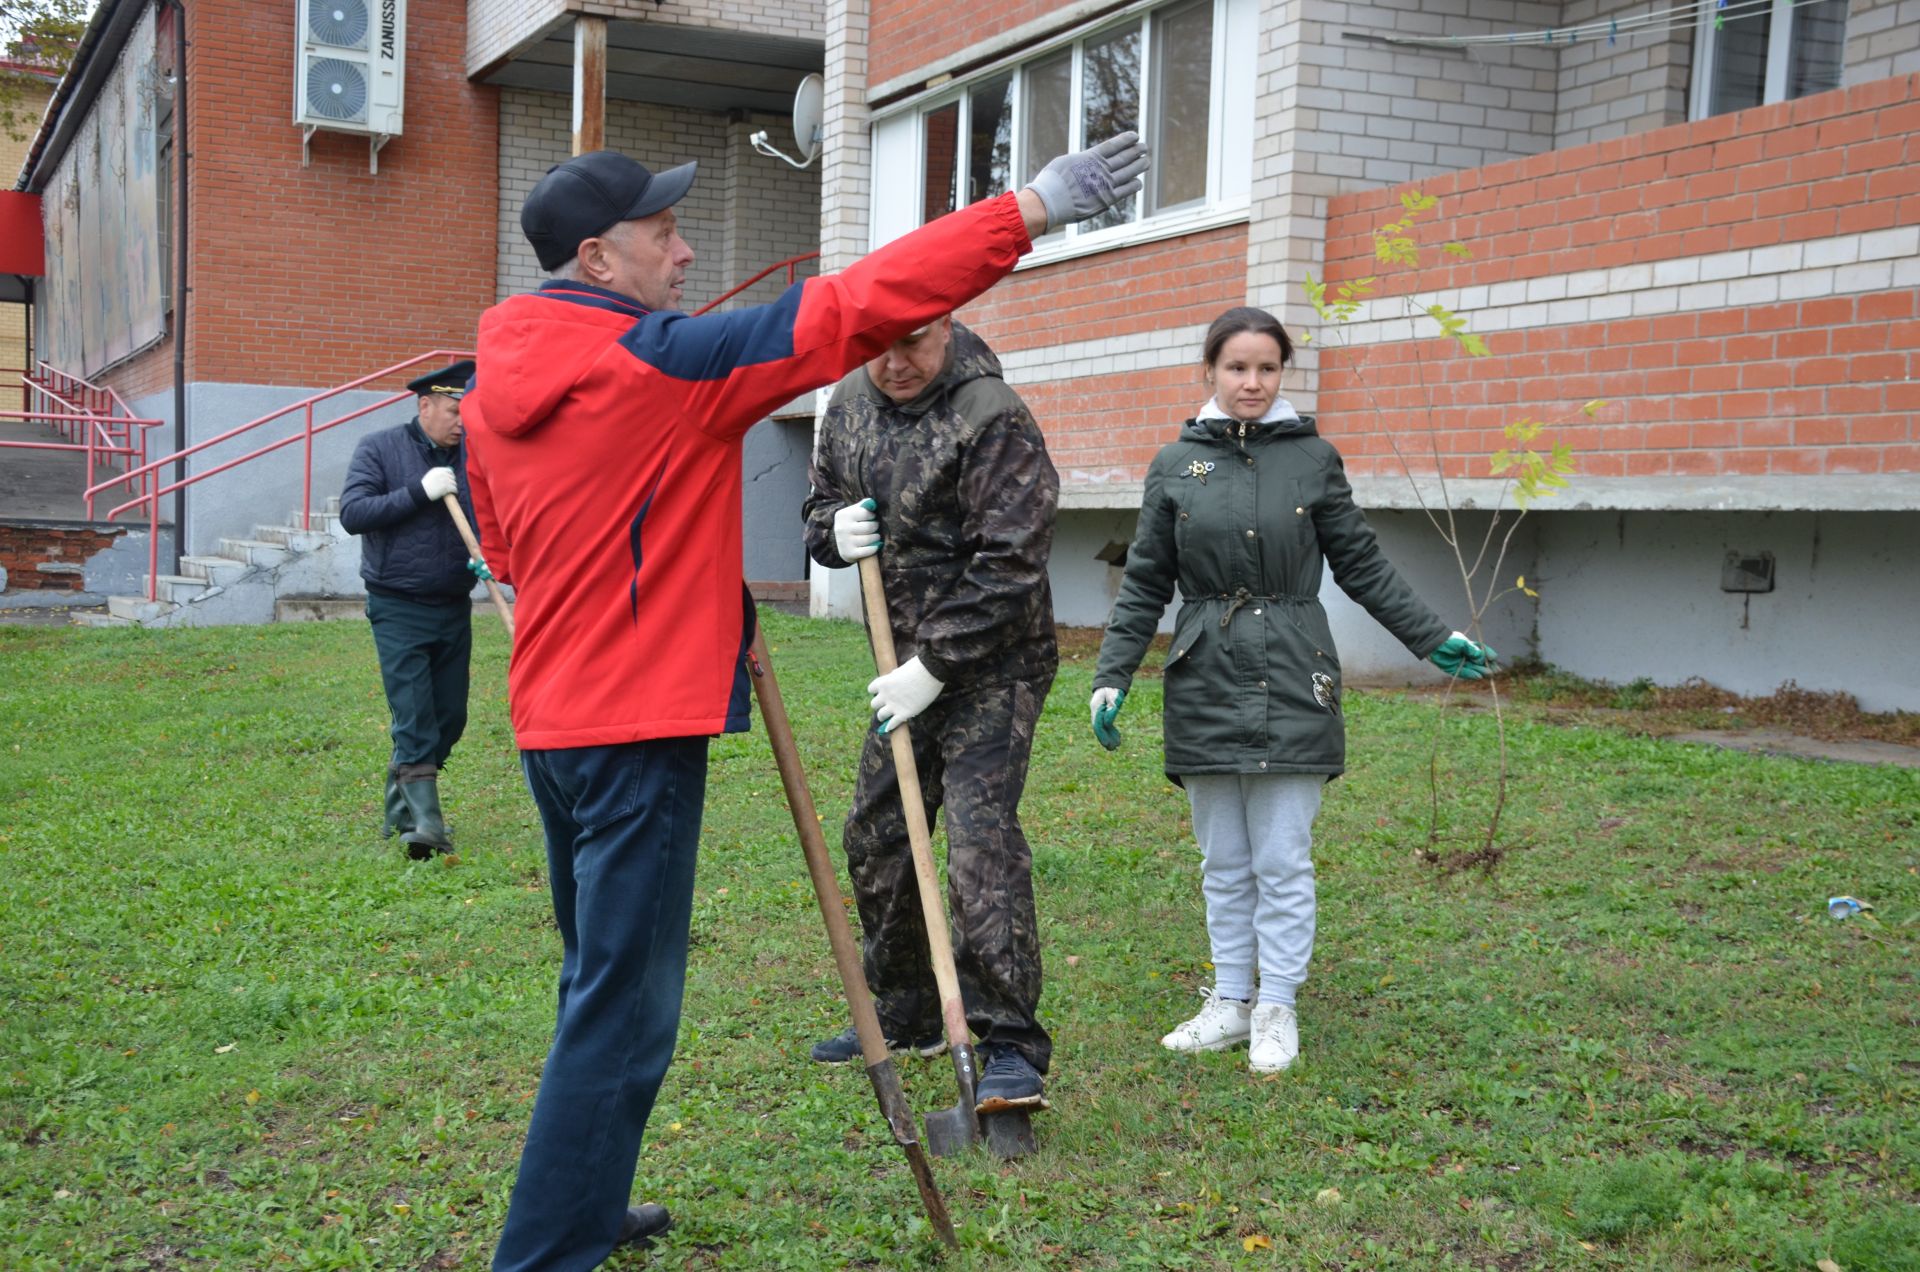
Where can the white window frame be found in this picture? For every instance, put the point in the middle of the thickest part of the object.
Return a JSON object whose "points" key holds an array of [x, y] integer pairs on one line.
{"points": [[1779, 57], [1226, 199]]}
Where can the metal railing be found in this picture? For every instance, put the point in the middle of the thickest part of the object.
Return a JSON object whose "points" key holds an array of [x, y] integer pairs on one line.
{"points": [[159, 487], [791, 265], [73, 408]]}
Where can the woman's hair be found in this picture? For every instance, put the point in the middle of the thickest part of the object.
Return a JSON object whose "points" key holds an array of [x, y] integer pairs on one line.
{"points": [[1243, 319]]}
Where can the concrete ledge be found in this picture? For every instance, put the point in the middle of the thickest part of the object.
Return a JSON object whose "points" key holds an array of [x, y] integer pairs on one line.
{"points": [[1884, 492]]}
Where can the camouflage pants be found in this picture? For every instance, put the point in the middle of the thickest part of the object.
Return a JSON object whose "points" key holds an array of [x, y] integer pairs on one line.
{"points": [[971, 748]]}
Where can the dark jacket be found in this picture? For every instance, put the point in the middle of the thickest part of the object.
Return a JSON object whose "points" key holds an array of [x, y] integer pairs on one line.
{"points": [[967, 498], [411, 547], [1242, 518]]}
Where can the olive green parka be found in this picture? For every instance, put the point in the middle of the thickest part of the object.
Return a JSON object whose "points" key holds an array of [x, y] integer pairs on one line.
{"points": [[1241, 518]]}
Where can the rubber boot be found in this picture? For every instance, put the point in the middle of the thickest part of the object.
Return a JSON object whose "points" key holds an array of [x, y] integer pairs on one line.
{"points": [[398, 816], [420, 788]]}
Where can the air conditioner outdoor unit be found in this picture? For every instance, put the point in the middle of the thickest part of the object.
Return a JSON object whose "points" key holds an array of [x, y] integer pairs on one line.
{"points": [[352, 70]]}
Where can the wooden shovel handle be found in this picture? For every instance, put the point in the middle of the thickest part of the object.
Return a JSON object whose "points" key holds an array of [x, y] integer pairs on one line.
{"points": [[933, 905], [473, 549]]}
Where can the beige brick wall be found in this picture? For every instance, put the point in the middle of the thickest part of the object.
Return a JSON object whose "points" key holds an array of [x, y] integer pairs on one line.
{"points": [[745, 211], [498, 28], [1615, 90], [1374, 114], [1883, 39]]}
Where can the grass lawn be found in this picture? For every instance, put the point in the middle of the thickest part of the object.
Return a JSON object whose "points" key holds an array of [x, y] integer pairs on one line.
{"points": [[239, 1030]]}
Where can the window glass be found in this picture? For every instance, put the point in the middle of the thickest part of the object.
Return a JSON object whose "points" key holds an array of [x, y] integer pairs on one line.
{"points": [[1819, 40], [1047, 112], [1740, 61], [1182, 81], [990, 138], [1110, 102], [942, 150]]}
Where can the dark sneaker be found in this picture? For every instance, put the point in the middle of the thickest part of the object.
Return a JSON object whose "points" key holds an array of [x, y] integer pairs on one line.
{"points": [[1008, 1082], [643, 1223], [845, 1046]]}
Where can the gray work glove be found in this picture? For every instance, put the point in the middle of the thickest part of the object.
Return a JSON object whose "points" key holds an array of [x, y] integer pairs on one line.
{"points": [[1088, 182]]}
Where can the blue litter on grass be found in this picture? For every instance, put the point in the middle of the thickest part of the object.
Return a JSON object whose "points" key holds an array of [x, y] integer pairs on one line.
{"points": [[1845, 907]]}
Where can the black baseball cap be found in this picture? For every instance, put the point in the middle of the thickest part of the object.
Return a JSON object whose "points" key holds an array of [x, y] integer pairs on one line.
{"points": [[589, 194]]}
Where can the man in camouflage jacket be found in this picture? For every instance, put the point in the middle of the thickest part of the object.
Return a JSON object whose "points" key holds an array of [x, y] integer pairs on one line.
{"points": [[953, 469]]}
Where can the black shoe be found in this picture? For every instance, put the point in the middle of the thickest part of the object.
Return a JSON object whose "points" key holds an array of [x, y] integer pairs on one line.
{"points": [[1008, 1082], [845, 1046], [643, 1223]]}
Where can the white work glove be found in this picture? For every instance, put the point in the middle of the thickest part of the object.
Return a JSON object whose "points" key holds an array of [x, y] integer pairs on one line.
{"points": [[1088, 182], [438, 483], [856, 531], [903, 693]]}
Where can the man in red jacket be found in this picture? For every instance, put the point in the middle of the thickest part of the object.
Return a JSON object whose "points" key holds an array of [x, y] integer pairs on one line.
{"points": [[604, 437]]}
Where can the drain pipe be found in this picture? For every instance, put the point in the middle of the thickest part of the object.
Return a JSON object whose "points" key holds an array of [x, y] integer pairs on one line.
{"points": [[180, 269]]}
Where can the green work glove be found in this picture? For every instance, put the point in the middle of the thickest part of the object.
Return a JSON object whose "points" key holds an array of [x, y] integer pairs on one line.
{"points": [[480, 569], [1105, 705], [1464, 659]]}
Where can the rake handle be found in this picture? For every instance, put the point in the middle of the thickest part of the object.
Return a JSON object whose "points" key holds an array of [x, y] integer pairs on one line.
{"points": [[473, 549]]}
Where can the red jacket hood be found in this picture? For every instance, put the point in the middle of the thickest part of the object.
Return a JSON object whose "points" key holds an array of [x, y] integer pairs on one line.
{"points": [[534, 349]]}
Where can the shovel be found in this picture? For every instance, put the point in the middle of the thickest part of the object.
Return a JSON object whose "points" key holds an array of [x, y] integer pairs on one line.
{"points": [[951, 1130], [473, 549], [826, 889]]}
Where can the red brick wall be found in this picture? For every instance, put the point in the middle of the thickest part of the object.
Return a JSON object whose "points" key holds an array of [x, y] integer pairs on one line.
{"points": [[904, 35], [1827, 384], [25, 549], [313, 276], [1112, 423]]}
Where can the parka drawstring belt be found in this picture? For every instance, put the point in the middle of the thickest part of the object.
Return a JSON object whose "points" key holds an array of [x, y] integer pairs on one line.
{"points": [[1241, 597]]}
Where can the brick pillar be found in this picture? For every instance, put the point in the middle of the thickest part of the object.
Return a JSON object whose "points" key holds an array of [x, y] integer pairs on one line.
{"points": [[846, 182], [1286, 233]]}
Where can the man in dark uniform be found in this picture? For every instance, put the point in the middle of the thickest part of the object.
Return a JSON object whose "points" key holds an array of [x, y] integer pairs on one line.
{"points": [[928, 449], [416, 569]]}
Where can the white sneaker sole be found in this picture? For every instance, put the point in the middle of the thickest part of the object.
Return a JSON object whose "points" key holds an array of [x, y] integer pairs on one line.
{"points": [[1282, 1067], [1225, 1044]]}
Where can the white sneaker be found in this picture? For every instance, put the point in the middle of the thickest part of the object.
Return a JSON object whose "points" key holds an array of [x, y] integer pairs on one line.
{"points": [[1276, 1038], [1222, 1022]]}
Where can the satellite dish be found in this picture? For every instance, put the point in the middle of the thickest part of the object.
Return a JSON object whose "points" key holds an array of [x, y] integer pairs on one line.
{"points": [[808, 106], [808, 100]]}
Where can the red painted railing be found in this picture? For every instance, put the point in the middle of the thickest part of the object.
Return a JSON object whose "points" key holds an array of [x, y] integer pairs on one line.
{"points": [[791, 265], [158, 487], [305, 437], [93, 421]]}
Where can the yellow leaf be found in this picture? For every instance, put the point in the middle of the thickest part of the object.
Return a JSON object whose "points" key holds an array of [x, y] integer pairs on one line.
{"points": [[253, 1097], [1520, 581], [221, 1051], [1827, 1265], [1255, 1242], [1327, 1197], [402, 1208], [673, 1126], [1588, 1245]]}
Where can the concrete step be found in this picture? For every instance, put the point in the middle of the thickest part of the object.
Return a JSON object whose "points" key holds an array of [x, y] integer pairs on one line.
{"points": [[292, 538], [254, 551], [178, 588], [102, 620], [318, 519], [218, 570], [138, 609]]}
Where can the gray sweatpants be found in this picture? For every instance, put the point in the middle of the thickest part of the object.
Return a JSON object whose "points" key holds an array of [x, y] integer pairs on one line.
{"points": [[1256, 844]]}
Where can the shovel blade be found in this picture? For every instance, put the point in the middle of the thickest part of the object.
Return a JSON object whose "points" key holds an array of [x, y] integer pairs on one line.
{"points": [[951, 1131], [1009, 1134]]}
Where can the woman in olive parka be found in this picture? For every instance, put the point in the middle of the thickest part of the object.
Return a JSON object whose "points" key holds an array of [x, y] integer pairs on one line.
{"points": [[1241, 514]]}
